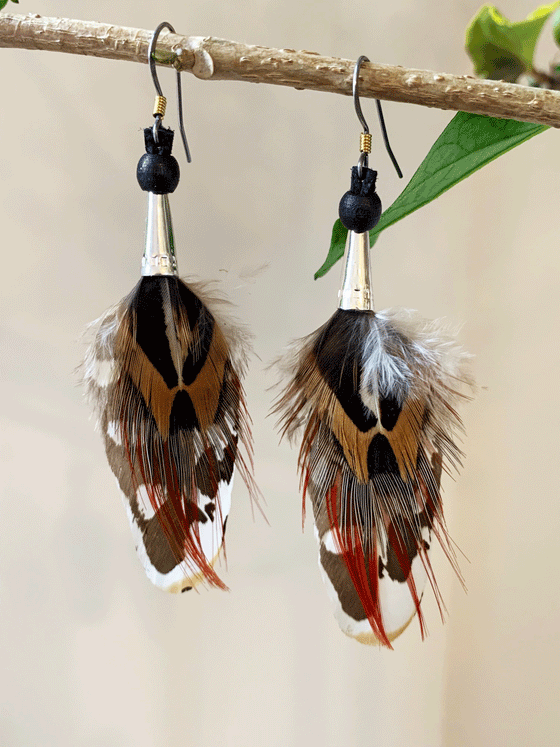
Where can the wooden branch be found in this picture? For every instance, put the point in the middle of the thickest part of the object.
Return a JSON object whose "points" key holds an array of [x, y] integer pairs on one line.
{"points": [[217, 59]]}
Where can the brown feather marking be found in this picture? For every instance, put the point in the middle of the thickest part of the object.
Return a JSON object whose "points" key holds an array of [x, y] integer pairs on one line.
{"points": [[205, 389], [404, 437], [315, 390], [158, 548], [336, 569], [134, 362]]}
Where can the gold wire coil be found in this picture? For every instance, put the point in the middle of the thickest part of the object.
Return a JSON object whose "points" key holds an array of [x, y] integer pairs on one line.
{"points": [[365, 142], [159, 106]]}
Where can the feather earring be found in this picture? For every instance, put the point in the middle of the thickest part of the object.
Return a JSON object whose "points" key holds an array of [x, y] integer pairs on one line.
{"points": [[375, 394], [164, 375]]}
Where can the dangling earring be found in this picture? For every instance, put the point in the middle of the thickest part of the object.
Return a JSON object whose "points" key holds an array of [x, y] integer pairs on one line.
{"points": [[375, 393], [164, 376]]}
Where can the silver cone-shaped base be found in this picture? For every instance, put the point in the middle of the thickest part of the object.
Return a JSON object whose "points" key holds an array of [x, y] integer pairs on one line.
{"points": [[356, 290], [159, 254]]}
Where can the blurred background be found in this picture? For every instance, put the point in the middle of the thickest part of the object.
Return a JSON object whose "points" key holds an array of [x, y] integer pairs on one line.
{"points": [[91, 653]]}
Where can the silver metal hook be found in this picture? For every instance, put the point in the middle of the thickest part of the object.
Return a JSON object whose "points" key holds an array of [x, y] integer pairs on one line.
{"points": [[355, 94], [152, 64], [363, 161]]}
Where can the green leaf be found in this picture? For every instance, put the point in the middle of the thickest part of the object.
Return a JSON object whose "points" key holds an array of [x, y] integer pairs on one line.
{"points": [[556, 27], [3, 3], [500, 49], [469, 142], [336, 249]]}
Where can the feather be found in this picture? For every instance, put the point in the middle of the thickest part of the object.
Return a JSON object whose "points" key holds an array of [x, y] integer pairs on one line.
{"points": [[164, 376], [375, 395]]}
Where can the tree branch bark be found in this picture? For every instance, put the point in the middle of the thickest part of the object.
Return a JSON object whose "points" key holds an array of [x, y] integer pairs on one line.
{"points": [[209, 58]]}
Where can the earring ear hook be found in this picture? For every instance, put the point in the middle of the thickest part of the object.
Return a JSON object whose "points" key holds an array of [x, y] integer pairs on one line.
{"points": [[158, 113], [357, 106]]}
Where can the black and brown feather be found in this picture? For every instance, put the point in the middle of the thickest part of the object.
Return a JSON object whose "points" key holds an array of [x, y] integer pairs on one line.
{"points": [[375, 396], [173, 415]]}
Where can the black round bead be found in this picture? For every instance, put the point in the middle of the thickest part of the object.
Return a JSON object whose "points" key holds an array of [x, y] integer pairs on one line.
{"points": [[158, 173], [360, 212]]}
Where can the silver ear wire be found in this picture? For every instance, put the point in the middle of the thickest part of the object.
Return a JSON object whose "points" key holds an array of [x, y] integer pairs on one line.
{"points": [[365, 139], [159, 107]]}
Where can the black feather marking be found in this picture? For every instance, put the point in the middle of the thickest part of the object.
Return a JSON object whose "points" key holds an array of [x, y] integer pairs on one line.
{"points": [[337, 356], [192, 304], [151, 331], [198, 316], [182, 415], [381, 457], [390, 411]]}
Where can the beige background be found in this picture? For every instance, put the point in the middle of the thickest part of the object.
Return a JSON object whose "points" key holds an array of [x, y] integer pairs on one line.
{"points": [[90, 653]]}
